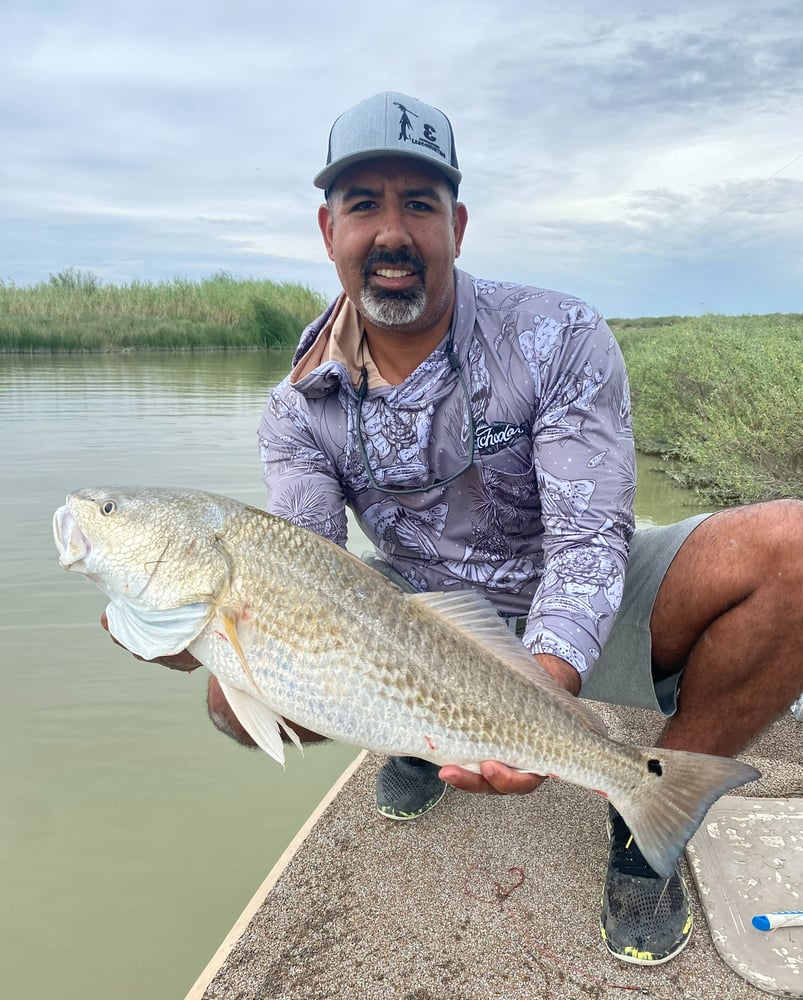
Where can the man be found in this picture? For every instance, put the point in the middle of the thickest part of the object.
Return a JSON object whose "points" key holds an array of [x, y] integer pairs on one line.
{"points": [[480, 432]]}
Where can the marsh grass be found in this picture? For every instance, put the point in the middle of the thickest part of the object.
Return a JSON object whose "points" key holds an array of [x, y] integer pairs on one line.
{"points": [[75, 311], [720, 399]]}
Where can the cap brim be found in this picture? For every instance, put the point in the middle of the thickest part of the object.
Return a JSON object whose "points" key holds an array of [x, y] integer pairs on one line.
{"points": [[325, 178]]}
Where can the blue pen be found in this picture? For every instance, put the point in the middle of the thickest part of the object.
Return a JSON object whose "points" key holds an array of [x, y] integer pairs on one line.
{"points": [[781, 918]]}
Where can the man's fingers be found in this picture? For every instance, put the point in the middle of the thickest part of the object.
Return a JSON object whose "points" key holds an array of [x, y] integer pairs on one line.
{"points": [[494, 779], [507, 781], [466, 781], [180, 661]]}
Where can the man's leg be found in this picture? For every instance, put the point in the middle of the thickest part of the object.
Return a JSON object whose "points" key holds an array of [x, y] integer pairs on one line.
{"points": [[729, 615]]}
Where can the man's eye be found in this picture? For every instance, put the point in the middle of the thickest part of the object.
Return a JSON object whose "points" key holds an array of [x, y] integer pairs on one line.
{"points": [[362, 206], [419, 206]]}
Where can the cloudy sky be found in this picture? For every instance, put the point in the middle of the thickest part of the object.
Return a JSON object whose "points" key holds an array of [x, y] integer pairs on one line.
{"points": [[645, 156]]}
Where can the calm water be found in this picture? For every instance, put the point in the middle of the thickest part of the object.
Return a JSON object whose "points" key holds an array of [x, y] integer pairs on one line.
{"points": [[132, 834]]}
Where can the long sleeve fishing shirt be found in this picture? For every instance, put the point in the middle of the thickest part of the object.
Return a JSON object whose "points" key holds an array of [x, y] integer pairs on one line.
{"points": [[535, 411]]}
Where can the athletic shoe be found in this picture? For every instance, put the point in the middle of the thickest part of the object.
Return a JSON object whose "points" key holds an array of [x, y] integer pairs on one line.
{"points": [[645, 919], [407, 787]]}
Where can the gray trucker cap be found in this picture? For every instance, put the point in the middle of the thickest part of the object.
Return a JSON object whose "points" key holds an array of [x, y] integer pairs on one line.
{"points": [[390, 124]]}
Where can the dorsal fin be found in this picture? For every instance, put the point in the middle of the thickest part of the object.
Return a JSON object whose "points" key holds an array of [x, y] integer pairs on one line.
{"points": [[472, 614]]}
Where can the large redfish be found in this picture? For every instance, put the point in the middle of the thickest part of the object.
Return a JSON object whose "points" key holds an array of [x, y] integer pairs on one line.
{"points": [[297, 630]]}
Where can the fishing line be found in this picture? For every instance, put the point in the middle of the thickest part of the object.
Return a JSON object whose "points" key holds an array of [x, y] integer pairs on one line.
{"points": [[498, 896], [741, 198]]}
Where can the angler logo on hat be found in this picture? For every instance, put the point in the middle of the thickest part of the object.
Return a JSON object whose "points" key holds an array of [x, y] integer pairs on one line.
{"points": [[429, 134], [390, 124]]}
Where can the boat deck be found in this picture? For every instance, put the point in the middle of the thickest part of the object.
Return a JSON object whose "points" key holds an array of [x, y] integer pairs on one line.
{"points": [[484, 898]]}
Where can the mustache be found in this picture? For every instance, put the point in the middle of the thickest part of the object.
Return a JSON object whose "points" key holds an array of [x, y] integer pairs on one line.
{"points": [[389, 258]]}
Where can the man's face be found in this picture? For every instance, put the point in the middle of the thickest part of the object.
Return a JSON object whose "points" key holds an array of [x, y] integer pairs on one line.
{"points": [[393, 235]]}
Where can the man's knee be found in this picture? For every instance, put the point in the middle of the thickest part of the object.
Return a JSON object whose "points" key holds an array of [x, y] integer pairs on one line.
{"points": [[739, 556], [759, 541], [773, 543], [785, 522]]}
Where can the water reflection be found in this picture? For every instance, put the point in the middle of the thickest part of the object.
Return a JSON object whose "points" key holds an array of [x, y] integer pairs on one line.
{"points": [[132, 833]]}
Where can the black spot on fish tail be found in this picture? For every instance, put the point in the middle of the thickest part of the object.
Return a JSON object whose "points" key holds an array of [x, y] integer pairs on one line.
{"points": [[663, 815]]}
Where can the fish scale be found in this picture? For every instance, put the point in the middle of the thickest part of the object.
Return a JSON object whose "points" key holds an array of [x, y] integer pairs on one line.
{"points": [[297, 630]]}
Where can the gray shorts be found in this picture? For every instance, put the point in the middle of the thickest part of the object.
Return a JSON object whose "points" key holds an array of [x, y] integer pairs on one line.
{"points": [[623, 674]]}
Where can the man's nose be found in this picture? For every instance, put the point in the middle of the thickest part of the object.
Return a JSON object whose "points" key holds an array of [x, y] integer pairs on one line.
{"points": [[393, 231]]}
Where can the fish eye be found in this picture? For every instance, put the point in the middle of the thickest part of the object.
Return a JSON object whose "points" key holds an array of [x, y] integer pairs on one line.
{"points": [[108, 506]]}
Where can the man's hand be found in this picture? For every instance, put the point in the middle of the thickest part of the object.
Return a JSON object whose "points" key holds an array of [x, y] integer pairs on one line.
{"points": [[179, 661], [494, 777]]}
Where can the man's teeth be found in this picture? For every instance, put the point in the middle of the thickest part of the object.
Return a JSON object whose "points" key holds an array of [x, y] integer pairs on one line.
{"points": [[386, 272]]}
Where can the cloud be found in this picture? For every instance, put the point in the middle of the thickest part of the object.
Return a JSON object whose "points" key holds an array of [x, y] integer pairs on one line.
{"points": [[602, 146]]}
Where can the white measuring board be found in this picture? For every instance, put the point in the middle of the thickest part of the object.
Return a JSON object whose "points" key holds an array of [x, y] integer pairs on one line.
{"points": [[747, 859]]}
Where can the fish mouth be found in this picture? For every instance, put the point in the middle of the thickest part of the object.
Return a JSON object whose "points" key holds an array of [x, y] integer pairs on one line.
{"points": [[71, 542]]}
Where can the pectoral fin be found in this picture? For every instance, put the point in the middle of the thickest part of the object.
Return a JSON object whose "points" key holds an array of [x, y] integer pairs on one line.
{"points": [[259, 721], [150, 633], [229, 620]]}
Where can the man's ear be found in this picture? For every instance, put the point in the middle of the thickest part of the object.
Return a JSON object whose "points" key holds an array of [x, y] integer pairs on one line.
{"points": [[326, 224], [460, 223]]}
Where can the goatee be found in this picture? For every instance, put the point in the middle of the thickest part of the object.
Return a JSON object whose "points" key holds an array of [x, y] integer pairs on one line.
{"points": [[385, 307]]}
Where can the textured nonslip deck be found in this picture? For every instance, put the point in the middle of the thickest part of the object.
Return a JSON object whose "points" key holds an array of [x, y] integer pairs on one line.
{"points": [[484, 898]]}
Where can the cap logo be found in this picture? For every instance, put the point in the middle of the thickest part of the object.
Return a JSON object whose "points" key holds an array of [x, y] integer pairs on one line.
{"points": [[389, 124], [429, 136]]}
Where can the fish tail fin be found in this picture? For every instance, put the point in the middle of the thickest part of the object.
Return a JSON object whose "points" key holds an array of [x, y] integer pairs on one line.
{"points": [[678, 789]]}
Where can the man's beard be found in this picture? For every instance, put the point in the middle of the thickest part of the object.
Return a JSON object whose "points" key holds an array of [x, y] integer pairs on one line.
{"points": [[392, 308]]}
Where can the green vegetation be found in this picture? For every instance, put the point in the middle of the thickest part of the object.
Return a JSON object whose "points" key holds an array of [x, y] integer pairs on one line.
{"points": [[720, 399], [76, 311]]}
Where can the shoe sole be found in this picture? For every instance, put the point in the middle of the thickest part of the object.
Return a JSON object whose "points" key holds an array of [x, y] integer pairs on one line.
{"points": [[403, 817], [635, 960]]}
